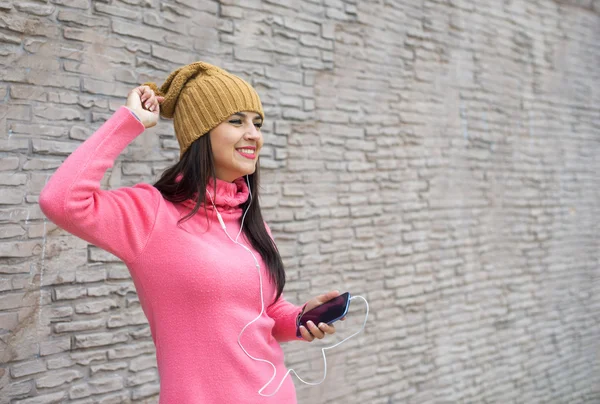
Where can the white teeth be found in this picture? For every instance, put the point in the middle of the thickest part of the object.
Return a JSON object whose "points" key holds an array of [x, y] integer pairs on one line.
{"points": [[246, 151]]}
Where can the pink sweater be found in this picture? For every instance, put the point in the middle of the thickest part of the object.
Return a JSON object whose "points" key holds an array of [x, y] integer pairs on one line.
{"points": [[196, 287]]}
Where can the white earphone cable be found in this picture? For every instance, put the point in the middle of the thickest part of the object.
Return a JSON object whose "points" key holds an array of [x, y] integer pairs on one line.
{"points": [[262, 310]]}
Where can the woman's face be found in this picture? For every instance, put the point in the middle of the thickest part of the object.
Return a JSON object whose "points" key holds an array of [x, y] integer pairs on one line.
{"points": [[235, 144]]}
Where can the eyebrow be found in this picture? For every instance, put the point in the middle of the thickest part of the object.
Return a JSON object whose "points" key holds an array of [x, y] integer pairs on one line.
{"points": [[244, 115]]}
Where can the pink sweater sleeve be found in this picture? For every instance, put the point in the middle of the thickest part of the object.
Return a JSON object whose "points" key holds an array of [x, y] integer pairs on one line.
{"points": [[119, 221], [284, 313]]}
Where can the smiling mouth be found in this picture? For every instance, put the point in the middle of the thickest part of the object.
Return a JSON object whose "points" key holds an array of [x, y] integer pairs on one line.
{"points": [[248, 153]]}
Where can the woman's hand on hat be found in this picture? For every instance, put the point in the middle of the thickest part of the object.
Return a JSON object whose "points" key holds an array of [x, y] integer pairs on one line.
{"points": [[145, 104], [312, 331]]}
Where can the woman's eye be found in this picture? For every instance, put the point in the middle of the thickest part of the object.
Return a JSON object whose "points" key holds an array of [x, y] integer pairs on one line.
{"points": [[239, 122]]}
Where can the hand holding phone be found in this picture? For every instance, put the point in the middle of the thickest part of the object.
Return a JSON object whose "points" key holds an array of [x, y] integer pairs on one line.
{"points": [[328, 312]]}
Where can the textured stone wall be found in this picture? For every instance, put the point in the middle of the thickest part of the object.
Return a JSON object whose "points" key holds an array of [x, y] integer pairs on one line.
{"points": [[439, 157]]}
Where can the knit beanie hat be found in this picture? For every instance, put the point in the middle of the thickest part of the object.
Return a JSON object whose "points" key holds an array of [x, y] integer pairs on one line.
{"points": [[199, 96]]}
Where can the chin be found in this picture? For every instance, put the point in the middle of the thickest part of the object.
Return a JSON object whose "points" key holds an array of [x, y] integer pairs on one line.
{"points": [[249, 171]]}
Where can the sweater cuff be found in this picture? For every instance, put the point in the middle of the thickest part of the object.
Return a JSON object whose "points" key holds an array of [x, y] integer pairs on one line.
{"points": [[134, 114], [300, 315], [298, 321]]}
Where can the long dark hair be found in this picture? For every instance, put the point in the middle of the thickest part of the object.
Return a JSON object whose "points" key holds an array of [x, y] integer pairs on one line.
{"points": [[188, 179]]}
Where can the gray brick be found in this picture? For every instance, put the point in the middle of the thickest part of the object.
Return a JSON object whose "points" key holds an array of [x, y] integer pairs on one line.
{"points": [[142, 363], [11, 231], [29, 26], [35, 8], [129, 318], [99, 255], [55, 346], [27, 368], [131, 350], [98, 339], [81, 19], [116, 11], [145, 390], [96, 386], [58, 378], [47, 130], [10, 39], [83, 325], [315, 41], [51, 398], [137, 31], [93, 86], [93, 274], [79, 132], [253, 56], [18, 389], [142, 377], [136, 169], [41, 164], [9, 163], [96, 306], [301, 26], [328, 29], [28, 92], [118, 273], [81, 4], [84, 358], [20, 248], [209, 7], [53, 113], [12, 196], [53, 147], [69, 292], [108, 367], [17, 112], [116, 398], [13, 179]]}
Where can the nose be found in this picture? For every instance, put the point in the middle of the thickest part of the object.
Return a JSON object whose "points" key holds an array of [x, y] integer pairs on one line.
{"points": [[252, 133]]}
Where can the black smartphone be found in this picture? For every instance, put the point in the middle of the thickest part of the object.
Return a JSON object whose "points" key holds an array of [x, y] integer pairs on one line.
{"points": [[328, 312]]}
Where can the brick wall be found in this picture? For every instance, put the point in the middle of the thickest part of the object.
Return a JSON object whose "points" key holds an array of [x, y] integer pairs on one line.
{"points": [[439, 157]]}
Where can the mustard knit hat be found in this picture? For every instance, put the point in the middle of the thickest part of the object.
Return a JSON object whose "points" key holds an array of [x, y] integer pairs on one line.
{"points": [[199, 96]]}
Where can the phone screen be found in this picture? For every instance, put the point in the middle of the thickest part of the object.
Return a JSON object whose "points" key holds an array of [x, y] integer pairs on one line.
{"points": [[327, 312]]}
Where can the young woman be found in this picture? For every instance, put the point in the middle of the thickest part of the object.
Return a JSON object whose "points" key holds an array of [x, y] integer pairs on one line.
{"points": [[206, 269]]}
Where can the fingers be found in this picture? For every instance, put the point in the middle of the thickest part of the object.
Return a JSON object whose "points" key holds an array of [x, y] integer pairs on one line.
{"points": [[151, 104], [146, 93], [316, 332], [332, 294], [148, 98], [328, 296], [306, 334], [327, 329]]}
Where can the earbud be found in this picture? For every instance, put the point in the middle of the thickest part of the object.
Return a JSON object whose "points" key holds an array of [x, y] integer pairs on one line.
{"points": [[221, 221]]}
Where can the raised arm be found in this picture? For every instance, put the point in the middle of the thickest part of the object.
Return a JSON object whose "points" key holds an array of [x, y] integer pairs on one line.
{"points": [[119, 221]]}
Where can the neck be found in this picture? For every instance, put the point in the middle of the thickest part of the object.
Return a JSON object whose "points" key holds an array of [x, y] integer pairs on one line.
{"points": [[227, 177]]}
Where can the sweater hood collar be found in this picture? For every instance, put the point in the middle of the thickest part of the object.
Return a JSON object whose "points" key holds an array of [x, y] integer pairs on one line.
{"points": [[227, 195]]}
